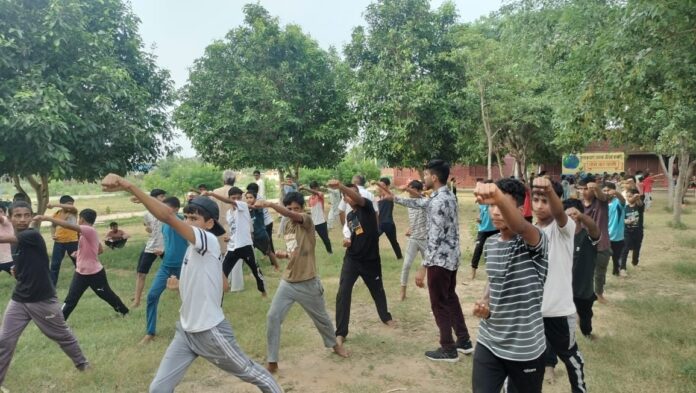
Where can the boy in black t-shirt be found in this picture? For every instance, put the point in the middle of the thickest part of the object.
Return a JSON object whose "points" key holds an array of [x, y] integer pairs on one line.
{"points": [[633, 233], [361, 259], [386, 218], [34, 296]]}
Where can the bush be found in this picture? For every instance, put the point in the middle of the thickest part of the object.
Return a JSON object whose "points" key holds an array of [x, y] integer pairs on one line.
{"points": [[344, 172], [178, 175]]}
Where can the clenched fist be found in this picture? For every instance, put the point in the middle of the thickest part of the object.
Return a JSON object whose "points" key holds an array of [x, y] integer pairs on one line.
{"points": [[113, 182], [487, 193]]}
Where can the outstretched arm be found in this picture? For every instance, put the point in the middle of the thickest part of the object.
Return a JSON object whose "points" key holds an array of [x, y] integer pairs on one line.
{"points": [[416, 203], [598, 192], [282, 210], [64, 206], [348, 191], [220, 198], [60, 223]]}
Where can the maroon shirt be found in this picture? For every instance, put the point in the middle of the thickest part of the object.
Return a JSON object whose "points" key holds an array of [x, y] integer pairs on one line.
{"points": [[599, 211]]}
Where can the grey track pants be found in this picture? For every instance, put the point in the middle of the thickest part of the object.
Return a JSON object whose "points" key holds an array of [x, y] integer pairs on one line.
{"points": [[218, 346], [48, 317], [310, 295], [414, 246]]}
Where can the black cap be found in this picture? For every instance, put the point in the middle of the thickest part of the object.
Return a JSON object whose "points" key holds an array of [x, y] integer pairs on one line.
{"points": [[212, 208]]}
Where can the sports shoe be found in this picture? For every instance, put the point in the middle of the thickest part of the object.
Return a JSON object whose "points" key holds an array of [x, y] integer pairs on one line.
{"points": [[622, 273], [465, 347], [443, 355]]}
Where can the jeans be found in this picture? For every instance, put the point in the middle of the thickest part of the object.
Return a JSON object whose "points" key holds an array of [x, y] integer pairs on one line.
{"points": [[159, 284], [616, 249], [59, 251]]}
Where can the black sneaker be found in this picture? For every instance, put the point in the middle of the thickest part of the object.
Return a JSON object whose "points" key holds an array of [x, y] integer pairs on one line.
{"points": [[443, 355], [465, 347]]}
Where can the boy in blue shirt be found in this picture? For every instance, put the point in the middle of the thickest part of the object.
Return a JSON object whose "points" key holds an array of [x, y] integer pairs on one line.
{"points": [[616, 217], [486, 229]]}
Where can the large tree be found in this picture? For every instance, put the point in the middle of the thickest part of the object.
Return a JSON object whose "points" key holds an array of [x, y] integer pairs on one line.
{"points": [[267, 96], [408, 92], [79, 97]]}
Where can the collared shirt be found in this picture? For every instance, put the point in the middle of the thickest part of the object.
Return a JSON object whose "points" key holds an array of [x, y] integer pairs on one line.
{"points": [[443, 227]]}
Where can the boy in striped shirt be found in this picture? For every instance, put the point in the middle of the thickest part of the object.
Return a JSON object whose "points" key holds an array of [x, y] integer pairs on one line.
{"points": [[511, 341]]}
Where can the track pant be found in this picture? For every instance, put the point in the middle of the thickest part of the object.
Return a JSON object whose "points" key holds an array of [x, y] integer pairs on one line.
{"points": [[633, 242], [414, 246], [48, 318], [371, 273], [216, 345], [601, 264], [59, 251], [584, 310], [245, 253], [100, 286], [616, 249], [478, 248], [310, 295], [269, 231], [389, 229], [323, 232], [490, 372], [560, 342], [159, 284], [445, 305]]}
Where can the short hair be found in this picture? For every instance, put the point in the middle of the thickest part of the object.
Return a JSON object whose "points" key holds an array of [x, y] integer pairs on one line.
{"points": [[351, 185], [571, 202], [195, 209], [172, 202], [20, 196], [257, 172], [293, 196], [252, 193], [586, 179], [385, 180], [361, 179], [632, 190], [513, 187], [66, 199], [439, 168], [609, 185], [288, 176], [203, 186], [88, 215], [229, 177], [235, 191], [21, 205], [113, 224], [314, 184], [157, 192], [253, 187], [416, 185]]}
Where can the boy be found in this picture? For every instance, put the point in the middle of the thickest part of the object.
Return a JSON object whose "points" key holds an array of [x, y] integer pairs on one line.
{"points": [[174, 250], [596, 205], [202, 329], [267, 218], [89, 272], [634, 228], [361, 259], [615, 224], [5, 248], [34, 296], [261, 192], [417, 236], [316, 205], [441, 260], [648, 187], [153, 248], [486, 229], [115, 238], [511, 341], [386, 219], [65, 240], [300, 282], [262, 241], [360, 182], [239, 243]]}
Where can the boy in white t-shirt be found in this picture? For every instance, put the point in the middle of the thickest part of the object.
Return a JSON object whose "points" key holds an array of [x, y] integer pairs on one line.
{"points": [[316, 205], [239, 241], [5, 248], [202, 329]]}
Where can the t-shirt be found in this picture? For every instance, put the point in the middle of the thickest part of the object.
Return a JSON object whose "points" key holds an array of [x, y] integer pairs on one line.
{"points": [[88, 252], [289, 188], [616, 220], [316, 204], [386, 211], [584, 265], [516, 275], [262, 188], [200, 284], [239, 222], [6, 248], [174, 246], [343, 206], [648, 184], [65, 235], [486, 224], [527, 206], [599, 211], [155, 241], [558, 288], [364, 238], [267, 218], [634, 217], [259, 226], [300, 242], [30, 257]]}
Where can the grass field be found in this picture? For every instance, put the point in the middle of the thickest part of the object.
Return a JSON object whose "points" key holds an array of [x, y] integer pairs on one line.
{"points": [[647, 332]]}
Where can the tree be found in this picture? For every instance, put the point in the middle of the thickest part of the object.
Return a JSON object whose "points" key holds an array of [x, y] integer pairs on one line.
{"points": [[269, 96], [179, 175], [407, 91], [79, 97]]}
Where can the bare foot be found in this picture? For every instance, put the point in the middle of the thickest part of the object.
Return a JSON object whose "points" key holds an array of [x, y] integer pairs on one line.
{"points": [[602, 299], [403, 293], [341, 350], [391, 323], [147, 339], [135, 305], [276, 267], [272, 367], [340, 340], [264, 294]]}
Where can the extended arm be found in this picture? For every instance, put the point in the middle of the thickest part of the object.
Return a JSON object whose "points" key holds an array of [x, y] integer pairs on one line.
{"points": [[415, 203], [490, 194], [348, 191], [282, 210], [598, 192], [60, 223], [68, 208], [220, 198]]}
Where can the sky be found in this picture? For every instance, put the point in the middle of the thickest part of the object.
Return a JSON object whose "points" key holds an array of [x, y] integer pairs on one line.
{"points": [[177, 31]]}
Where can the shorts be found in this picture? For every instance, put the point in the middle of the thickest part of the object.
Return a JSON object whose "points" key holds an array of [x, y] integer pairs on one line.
{"points": [[145, 262], [263, 244], [7, 267]]}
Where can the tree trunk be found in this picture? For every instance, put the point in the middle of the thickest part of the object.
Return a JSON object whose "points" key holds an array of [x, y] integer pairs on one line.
{"points": [[685, 167], [500, 164], [668, 170], [297, 173], [19, 188], [281, 179], [487, 129], [41, 189]]}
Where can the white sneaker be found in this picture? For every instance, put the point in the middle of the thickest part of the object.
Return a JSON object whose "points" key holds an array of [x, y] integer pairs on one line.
{"points": [[623, 273]]}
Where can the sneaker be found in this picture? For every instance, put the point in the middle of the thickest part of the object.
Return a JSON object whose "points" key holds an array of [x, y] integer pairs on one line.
{"points": [[465, 347], [443, 355], [623, 273]]}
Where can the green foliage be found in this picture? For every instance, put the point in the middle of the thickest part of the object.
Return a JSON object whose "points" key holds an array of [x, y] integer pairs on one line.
{"points": [[344, 171], [178, 175], [267, 95]]}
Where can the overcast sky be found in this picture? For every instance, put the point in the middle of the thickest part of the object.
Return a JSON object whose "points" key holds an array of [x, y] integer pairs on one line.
{"points": [[179, 30]]}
